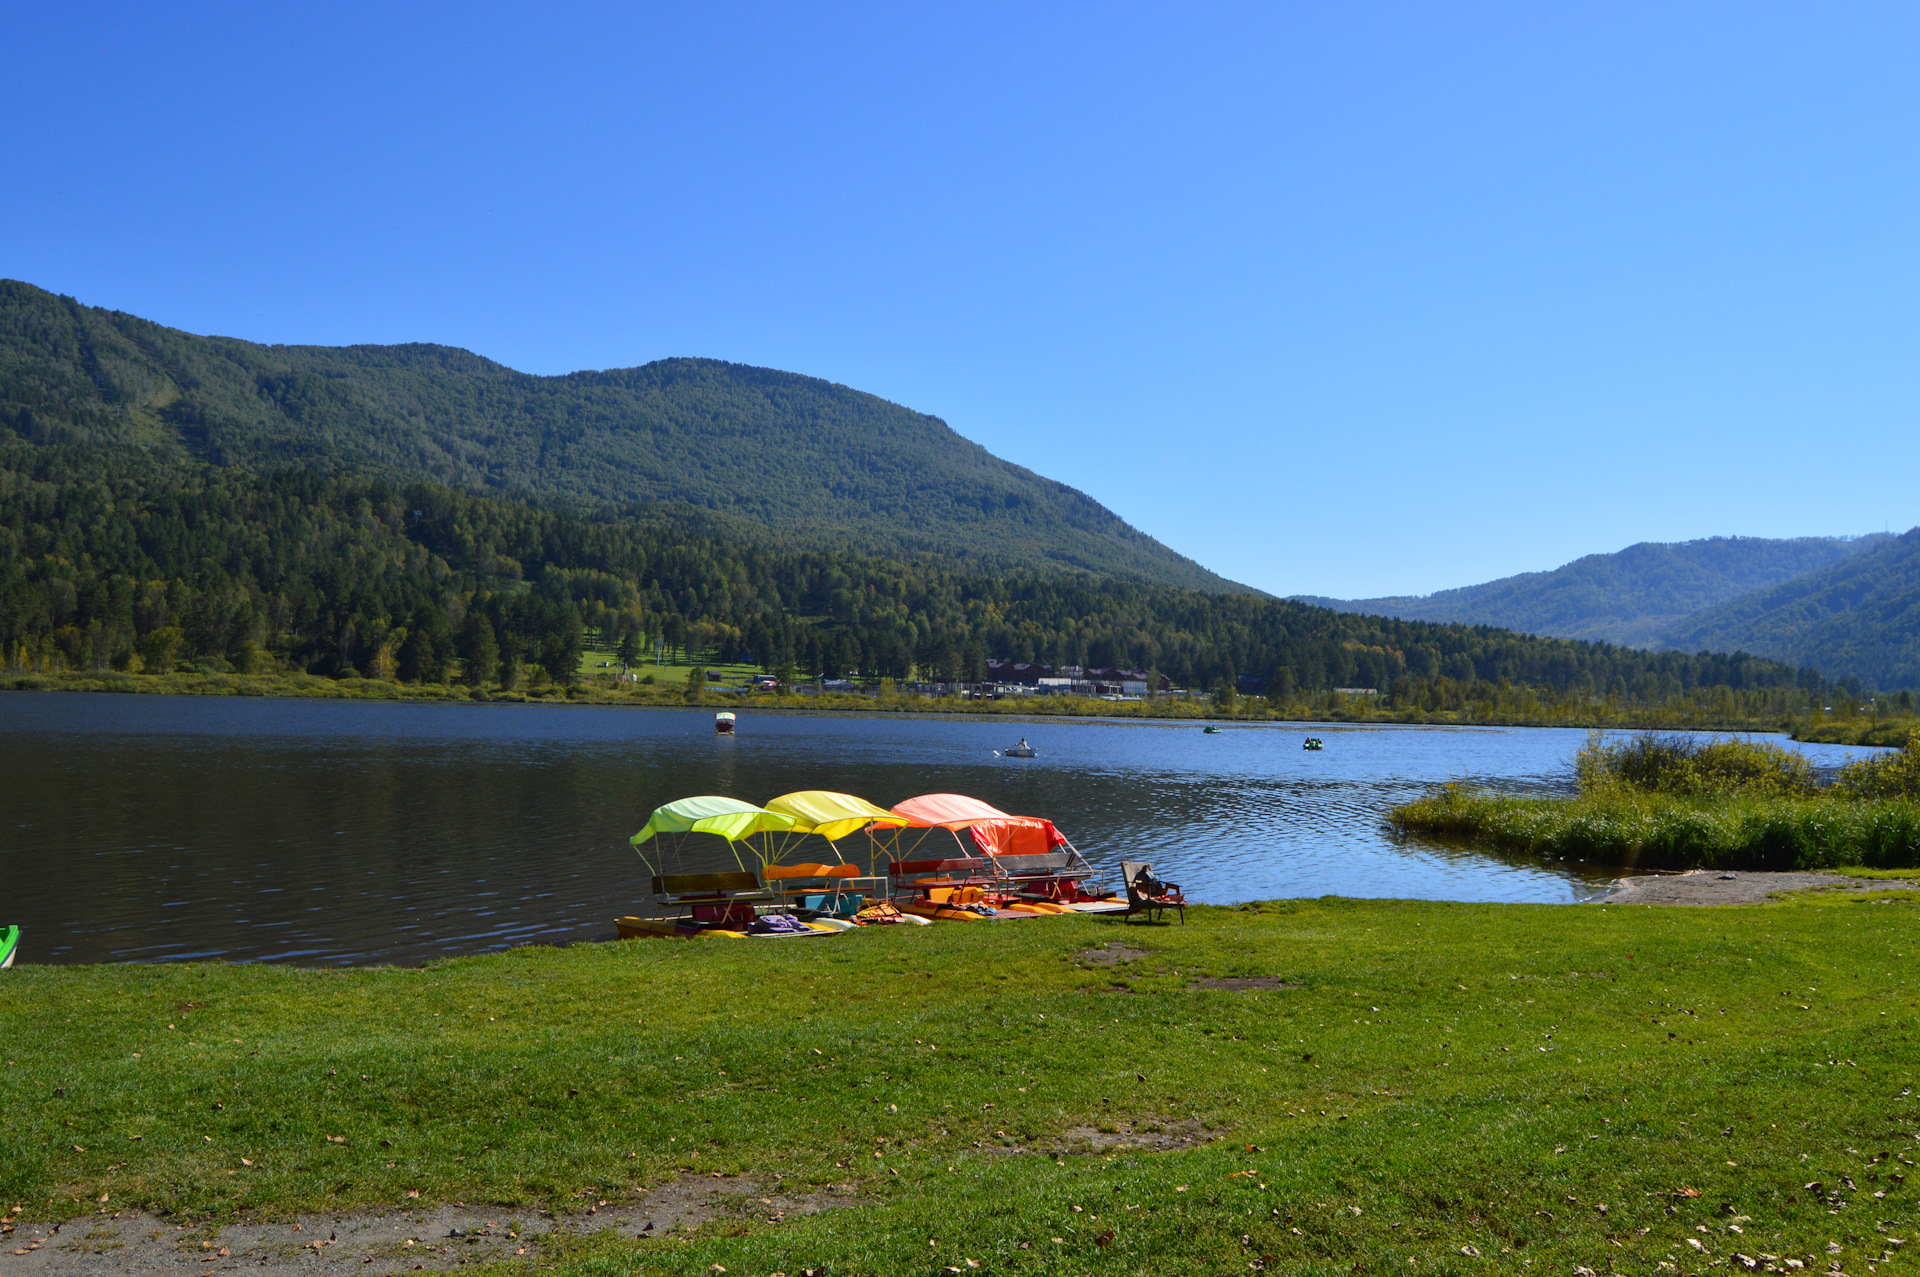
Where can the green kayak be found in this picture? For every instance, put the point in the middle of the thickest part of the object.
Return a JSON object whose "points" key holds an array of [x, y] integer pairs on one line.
{"points": [[9, 941]]}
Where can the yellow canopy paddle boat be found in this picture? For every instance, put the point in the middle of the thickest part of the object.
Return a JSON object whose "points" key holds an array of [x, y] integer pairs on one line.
{"points": [[720, 904]]}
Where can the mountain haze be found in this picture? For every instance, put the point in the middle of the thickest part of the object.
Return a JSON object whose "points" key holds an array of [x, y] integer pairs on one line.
{"points": [[1638, 596], [785, 458]]}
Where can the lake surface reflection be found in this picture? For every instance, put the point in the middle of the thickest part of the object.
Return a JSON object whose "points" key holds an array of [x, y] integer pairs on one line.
{"points": [[141, 828]]}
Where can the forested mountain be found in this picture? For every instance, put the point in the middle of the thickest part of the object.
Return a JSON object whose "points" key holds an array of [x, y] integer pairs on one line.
{"points": [[1635, 596], [790, 460], [1860, 616], [107, 562]]}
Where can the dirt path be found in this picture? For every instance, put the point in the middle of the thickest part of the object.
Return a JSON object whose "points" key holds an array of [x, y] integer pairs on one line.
{"points": [[131, 1244], [1737, 887]]}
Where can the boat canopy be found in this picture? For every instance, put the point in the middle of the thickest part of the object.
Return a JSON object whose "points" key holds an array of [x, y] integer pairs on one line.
{"points": [[1017, 836], [730, 818], [946, 811], [832, 816], [994, 831]]}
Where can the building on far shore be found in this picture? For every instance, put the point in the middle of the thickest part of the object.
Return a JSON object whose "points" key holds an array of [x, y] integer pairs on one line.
{"points": [[1018, 673], [1078, 681]]}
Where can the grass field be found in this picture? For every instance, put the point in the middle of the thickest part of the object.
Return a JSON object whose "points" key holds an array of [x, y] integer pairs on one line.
{"points": [[1441, 1088]]}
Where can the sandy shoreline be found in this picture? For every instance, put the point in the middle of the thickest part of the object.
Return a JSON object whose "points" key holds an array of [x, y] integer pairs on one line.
{"points": [[1737, 887]]}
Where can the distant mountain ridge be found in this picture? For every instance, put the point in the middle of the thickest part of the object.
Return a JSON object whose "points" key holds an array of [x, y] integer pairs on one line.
{"points": [[1859, 616], [800, 461], [1636, 596]]}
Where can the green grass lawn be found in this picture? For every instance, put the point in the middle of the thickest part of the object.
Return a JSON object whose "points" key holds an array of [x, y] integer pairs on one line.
{"points": [[669, 669], [1452, 1088]]}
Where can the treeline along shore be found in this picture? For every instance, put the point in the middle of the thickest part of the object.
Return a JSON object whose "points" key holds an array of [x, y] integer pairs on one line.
{"points": [[115, 573]]}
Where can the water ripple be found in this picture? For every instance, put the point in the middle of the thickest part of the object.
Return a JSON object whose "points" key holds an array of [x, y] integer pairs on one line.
{"points": [[151, 828]]}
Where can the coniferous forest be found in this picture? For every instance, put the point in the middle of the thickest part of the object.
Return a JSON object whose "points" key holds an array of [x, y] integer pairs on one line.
{"points": [[107, 562]]}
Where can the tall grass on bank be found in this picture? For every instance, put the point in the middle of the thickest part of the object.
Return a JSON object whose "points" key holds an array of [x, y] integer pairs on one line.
{"points": [[1675, 803], [1857, 730], [1660, 831]]}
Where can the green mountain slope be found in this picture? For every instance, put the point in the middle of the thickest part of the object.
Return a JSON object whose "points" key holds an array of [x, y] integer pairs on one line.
{"points": [[1636, 596], [804, 462], [1860, 617], [106, 561]]}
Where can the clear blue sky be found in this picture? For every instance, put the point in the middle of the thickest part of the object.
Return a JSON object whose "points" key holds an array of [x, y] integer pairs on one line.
{"points": [[1336, 298]]}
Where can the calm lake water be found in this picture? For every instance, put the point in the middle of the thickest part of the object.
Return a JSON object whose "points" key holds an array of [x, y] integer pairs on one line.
{"points": [[145, 828]]}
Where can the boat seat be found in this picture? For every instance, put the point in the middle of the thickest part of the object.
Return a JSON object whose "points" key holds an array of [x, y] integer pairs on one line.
{"points": [[901, 874], [1047, 865], [972, 866], [713, 884], [780, 872], [820, 888]]}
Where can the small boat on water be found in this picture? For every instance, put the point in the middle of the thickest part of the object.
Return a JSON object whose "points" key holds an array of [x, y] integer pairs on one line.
{"points": [[723, 724], [1313, 743], [9, 945], [1211, 730], [1021, 750]]}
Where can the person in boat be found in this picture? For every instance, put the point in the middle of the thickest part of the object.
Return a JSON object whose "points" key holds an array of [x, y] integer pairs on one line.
{"points": [[1023, 744]]}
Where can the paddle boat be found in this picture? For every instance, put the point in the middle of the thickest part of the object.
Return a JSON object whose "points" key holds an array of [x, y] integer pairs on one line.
{"points": [[1021, 750], [1030, 868], [991, 865], [9, 945], [723, 724], [1211, 730], [718, 905], [1313, 743], [835, 893]]}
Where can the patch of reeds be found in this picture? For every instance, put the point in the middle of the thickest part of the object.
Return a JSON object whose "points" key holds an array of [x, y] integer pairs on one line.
{"points": [[1658, 831], [1688, 766], [1662, 802]]}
